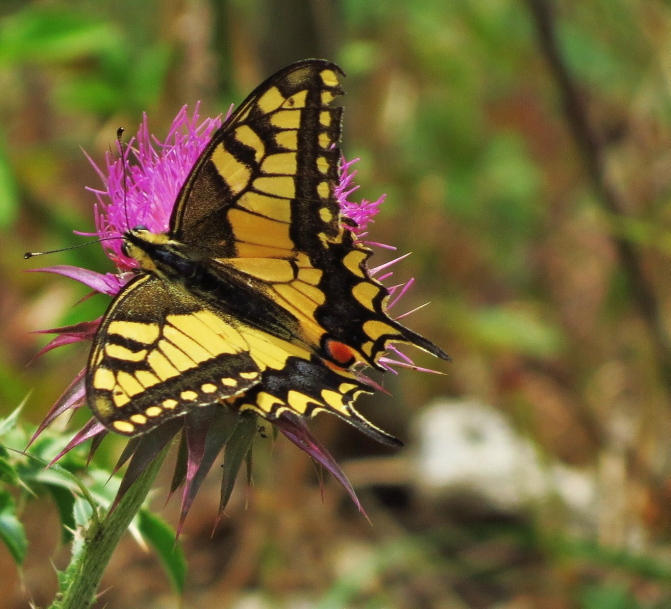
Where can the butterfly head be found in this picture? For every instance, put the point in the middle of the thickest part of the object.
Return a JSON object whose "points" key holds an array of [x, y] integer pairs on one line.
{"points": [[144, 246]]}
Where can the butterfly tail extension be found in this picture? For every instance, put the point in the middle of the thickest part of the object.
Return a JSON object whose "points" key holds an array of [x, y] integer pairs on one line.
{"points": [[356, 419], [307, 385], [355, 311]]}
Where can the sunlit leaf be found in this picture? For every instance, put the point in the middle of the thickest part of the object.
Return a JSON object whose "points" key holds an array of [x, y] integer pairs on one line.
{"points": [[51, 34], [609, 596], [11, 529], [9, 196], [149, 74], [8, 473], [9, 422], [517, 329], [65, 503], [88, 94], [162, 537]]}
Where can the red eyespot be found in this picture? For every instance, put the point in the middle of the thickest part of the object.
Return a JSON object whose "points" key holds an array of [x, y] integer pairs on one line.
{"points": [[340, 352]]}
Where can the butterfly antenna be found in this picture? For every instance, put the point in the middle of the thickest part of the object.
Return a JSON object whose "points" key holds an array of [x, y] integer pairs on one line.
{"points": [[28, 255], [122, 152]]}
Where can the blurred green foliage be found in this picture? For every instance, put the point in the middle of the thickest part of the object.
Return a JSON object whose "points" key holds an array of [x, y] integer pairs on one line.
{"points": [[75, 489]]}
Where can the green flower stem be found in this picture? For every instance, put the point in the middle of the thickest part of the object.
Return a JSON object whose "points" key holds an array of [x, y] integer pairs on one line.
{"points": [[84, 573]]}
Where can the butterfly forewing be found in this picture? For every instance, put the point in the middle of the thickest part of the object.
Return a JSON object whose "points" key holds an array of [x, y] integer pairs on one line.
{"points": [[261, 199], [274, 163]]}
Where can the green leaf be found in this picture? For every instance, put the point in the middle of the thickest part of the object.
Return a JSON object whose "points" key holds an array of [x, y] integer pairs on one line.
{"points": [[87, 93], [149, 72], [521, 330], [11, 529], [65, 503], [607, 596], [58, 477], [592, 59], [9, 192], [9, 422], [82, 512], [49, 34], [163, 538], [8, 473]]}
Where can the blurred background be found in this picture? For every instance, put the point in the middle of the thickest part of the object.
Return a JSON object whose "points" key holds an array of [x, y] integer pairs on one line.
{"points": [[525, 149]]}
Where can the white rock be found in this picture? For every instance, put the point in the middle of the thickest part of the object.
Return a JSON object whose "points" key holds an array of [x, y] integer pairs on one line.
{"points": [[466, 447]]}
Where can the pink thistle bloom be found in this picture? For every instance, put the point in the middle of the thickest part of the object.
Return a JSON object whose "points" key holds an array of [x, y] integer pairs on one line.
{"points": [[362, 212], [140, 187], [141, 190]]}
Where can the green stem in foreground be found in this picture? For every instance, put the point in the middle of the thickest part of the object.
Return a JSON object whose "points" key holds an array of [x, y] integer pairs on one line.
{"points": [[84, 573]]}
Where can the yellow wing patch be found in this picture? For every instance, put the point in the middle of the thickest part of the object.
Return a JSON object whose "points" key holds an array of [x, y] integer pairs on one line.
{"points": [[144, 372]]}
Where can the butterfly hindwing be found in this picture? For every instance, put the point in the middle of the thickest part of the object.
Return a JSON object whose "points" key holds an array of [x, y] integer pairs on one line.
{"points": [[159, 352], [306, 386], [356, 313], [297, 381]]}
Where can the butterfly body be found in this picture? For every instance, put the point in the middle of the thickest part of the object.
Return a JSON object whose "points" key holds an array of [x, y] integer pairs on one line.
{"points": [[185, 267], [258, 296]]}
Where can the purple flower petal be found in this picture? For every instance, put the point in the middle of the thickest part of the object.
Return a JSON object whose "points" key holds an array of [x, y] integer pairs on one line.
{"points": [[104, 283], [299, 433], [59, 341], [363, 212], [73, 397], [142, 181], [84, 330], [207, 432], [91, 429]]}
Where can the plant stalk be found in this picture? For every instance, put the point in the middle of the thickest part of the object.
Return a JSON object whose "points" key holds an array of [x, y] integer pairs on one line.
{"points": [[87, 567]]}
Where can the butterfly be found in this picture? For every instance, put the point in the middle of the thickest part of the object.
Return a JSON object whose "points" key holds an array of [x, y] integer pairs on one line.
{"points": [[258, 297]]}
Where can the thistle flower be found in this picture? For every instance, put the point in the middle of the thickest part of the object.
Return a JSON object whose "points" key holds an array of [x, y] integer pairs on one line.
{"points": [[140, 187]]}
